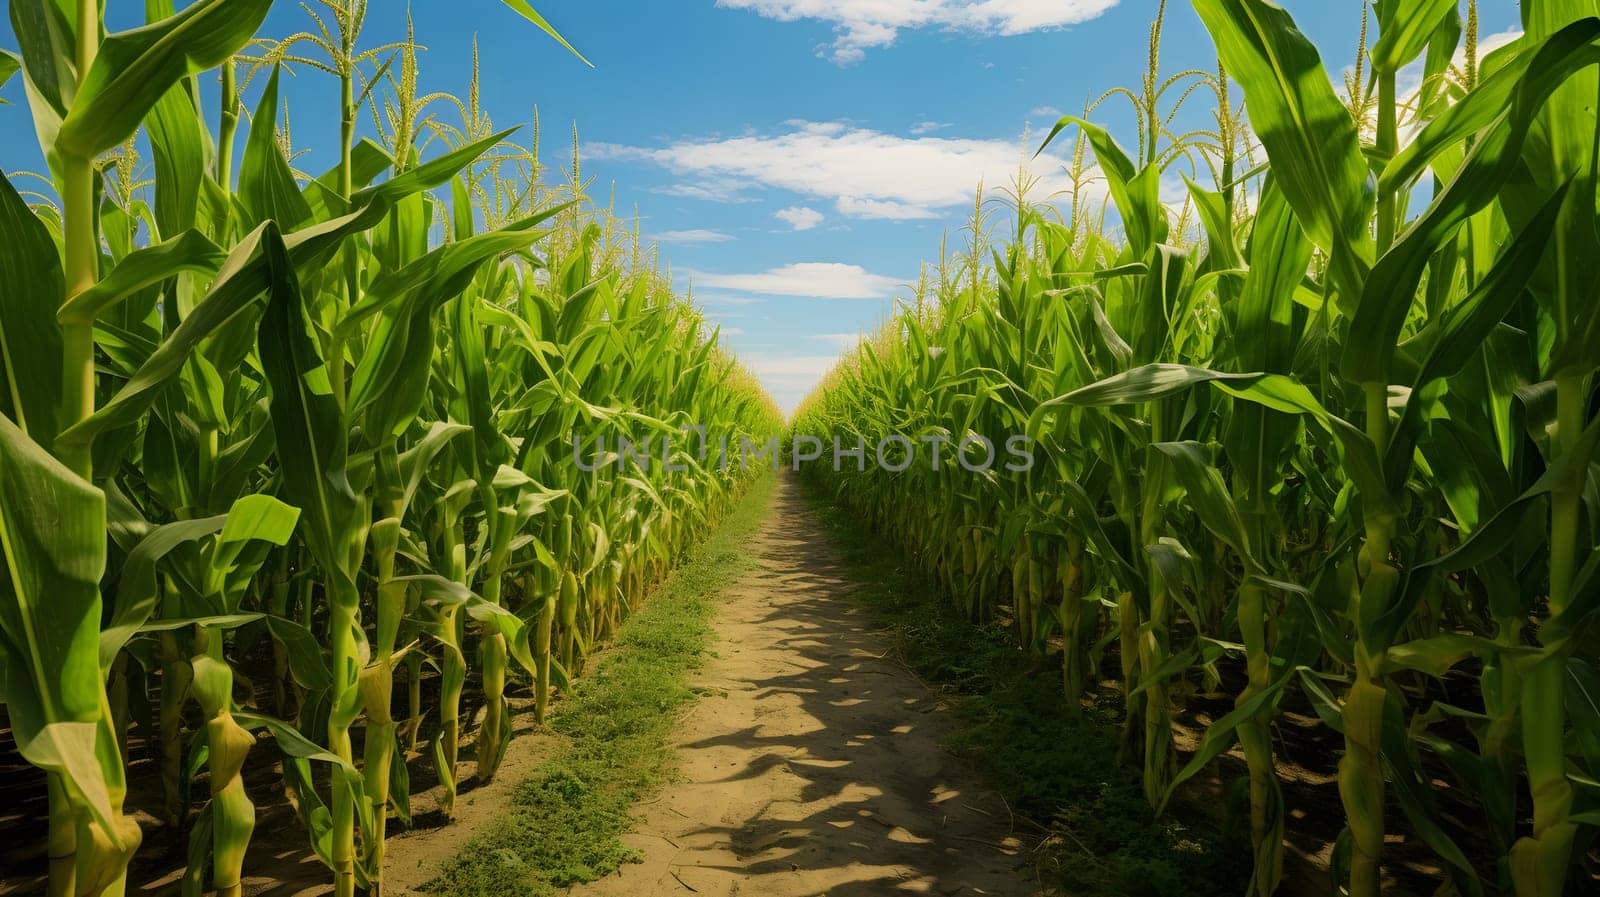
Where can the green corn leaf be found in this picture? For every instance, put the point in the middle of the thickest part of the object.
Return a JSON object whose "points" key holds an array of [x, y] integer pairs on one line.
{"points": [[1360, 458], [218, 622], [1219, 736], [1310, 138], [367, 161], [1438, 654], [178, 144], [1265, 338], [1500, 533], [188, 251], [428, 175], [1209, 495], [232, 295], [138, 591], [267, 188], [255, 525], [1583, 707], [306, 661], [297, 746], [446, 592], [1135, 192], [9, 65], [1146, 384], [258, 519], [1436, 67], [1280, 255], [1327, 707], [1494, 157], [453, 264], [389, 389], [1488, 102], [240, 282], [415, 461], [134, 69], [194, 874], [45, 37], [1221, 251], [306, 419], [1416, 795], [1406, 27], [53, 534], [527, 12], [1466, 327], [1082, 506], [31, 287]]}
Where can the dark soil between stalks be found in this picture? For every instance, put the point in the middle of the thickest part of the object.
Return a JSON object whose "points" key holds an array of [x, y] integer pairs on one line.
{"points": [[1061, 770]]}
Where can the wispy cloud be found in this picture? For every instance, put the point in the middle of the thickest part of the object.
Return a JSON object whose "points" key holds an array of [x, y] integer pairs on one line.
{"points": [[693, 236], [865, 173], [788, 378], [840, 341], [922, 128], [819, 280], [862, 25], [718, 300], [1409, 79], [726, 190], [1045, 112], [856, 207], [799, 217]]}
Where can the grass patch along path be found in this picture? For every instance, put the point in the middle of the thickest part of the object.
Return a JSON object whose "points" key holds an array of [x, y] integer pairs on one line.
{"points": [[612, 736], [812, 763], [797, 713]]}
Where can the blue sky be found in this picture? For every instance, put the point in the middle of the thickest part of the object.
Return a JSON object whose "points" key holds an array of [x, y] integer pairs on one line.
{"points": [[796, 159]]}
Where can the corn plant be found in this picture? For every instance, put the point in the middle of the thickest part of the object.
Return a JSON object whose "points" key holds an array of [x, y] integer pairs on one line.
{"points": [[228, 403], [1331, 451]]}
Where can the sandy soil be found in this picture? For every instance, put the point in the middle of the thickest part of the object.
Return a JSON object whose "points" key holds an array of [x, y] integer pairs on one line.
{"points": [[814, 763]]}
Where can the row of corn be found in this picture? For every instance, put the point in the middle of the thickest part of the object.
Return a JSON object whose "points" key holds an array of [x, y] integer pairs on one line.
{"points": [[287, 459], [1320, 433]]}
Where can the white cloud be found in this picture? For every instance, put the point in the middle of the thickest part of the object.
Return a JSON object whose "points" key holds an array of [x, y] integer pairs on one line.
{"points": [[861, 25], [792, 365], [728, 190], [840, 341], [731, 331], [1410, 78], [799, 217], [819, 280], [788, 378], [882, 208], [693, 236], [1492, 43], [867, 174], [928, 127], [716, 300], [1046, 112]]}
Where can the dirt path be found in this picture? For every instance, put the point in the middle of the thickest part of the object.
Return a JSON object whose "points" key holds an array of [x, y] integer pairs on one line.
{"points": [[813, 764]]}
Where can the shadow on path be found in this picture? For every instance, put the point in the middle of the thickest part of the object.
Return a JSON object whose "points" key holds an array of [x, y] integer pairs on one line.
{"points": [[814, 765]]}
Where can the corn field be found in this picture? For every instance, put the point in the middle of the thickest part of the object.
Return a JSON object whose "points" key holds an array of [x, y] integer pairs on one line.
{"points": [[278, 448], [1319, 435]]}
